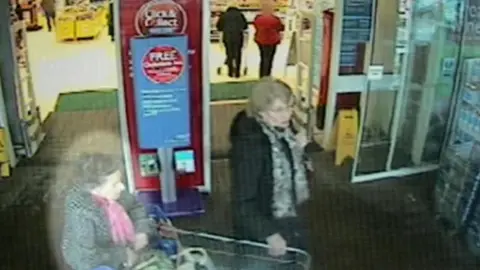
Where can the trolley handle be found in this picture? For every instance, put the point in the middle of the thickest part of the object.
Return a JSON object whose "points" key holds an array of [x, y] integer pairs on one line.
{"points": [[158, 215], [233, 241]]}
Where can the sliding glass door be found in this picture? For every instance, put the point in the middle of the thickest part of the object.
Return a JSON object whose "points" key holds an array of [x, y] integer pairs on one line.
{"points": [[405, 114]]}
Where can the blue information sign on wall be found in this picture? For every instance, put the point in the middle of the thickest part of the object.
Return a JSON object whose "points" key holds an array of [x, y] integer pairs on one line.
{"points": [[162, 92], [356, 28]]}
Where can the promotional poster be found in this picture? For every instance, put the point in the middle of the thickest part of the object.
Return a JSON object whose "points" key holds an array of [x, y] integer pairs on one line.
{"points": [[161, 83], [141, 18]]}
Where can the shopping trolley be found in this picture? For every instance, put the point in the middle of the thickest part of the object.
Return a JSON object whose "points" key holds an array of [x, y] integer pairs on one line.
{"points": [[246, 41], [229, 253]]}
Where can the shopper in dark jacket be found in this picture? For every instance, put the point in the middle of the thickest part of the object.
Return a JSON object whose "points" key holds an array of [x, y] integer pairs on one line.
{"points": [[232, 24], [111, 21], [49, 7], [268, 170], [268, 29]]}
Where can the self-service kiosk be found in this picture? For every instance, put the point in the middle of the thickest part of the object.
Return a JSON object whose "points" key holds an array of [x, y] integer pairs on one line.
{"points": [[164, 101]]}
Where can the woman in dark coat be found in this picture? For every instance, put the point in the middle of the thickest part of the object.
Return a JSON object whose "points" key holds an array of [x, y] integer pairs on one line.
{"points": [[268, 170]]}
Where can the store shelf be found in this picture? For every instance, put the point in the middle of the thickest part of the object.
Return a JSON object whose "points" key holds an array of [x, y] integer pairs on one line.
{"points": [[17, 25], [460, 168]]}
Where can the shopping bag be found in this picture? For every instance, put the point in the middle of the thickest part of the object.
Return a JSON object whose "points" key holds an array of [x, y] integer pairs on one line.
{"points": [[153, 260], [194, 258]]}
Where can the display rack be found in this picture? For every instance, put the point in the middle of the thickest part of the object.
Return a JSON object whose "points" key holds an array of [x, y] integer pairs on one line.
{"points": [[456, 190], [28, 110], [81, 20]]}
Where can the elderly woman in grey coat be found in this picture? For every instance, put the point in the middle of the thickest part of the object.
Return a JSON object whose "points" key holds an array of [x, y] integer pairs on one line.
{"points": [[104, 224]]}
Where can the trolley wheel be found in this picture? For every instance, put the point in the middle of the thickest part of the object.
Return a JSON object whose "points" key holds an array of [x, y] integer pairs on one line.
{"points": [[472, 240], [219, 71], [245, 71]]}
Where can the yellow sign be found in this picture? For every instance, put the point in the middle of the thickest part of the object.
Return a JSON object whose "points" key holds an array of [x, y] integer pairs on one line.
{"points": [[4, 165], [347, 130], [3, 148], [5, 170]]}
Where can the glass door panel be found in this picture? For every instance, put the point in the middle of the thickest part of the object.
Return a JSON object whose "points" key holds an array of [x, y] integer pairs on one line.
{"points": [[429, 84], [375, 140], [379, 99]]}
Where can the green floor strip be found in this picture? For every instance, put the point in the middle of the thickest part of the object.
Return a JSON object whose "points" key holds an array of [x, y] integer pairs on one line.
{"points": [[87, 101], [92, 100], [231, 91]]}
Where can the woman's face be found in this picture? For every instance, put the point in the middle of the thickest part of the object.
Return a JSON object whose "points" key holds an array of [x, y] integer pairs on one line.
{"points": [[113, 186], [268, 6], [278, 114]]}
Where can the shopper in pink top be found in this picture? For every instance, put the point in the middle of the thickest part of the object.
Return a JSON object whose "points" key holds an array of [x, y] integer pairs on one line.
{"points": [[104, 224]]}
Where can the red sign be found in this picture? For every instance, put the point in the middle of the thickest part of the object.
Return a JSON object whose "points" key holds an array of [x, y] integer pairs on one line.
{"points": [[163, 64], [144, 18], [161, 17]]}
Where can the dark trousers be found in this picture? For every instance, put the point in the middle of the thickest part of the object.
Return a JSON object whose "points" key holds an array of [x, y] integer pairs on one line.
{"points": [[233, 49], [50, 16], [267, 53]]}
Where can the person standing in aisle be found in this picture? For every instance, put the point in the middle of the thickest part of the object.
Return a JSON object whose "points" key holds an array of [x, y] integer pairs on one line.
{"points": [[269, 169], [111, 22], [232, 24], [268, 31], [48, 7]]}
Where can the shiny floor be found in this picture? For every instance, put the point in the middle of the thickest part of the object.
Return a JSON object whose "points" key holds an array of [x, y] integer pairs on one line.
{"points": [[384, 225]]}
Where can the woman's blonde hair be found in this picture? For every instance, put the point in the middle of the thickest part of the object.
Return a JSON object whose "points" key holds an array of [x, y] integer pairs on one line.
{"points": [[265, 92]]}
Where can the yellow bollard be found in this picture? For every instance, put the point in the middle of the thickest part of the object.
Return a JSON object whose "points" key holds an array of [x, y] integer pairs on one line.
{"points": [[346, 137]]}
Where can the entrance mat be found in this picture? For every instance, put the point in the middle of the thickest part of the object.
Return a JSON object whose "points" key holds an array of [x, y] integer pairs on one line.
{"points": [[91, 132], [102, 99], [231, 91], [89, 100]]}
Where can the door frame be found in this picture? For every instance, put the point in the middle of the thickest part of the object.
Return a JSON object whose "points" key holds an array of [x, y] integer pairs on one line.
{"points": [[398, 110]]}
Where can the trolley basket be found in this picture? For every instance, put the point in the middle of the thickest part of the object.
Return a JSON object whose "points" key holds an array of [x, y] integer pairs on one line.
{"points": [[228, 253]]}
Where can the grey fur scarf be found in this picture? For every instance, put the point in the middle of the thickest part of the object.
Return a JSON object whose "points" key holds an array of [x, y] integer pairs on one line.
{"points": [[286, 174]]}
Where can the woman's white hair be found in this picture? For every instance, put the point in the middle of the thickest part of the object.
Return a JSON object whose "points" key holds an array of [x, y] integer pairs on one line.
{"points": [[265, 92]]}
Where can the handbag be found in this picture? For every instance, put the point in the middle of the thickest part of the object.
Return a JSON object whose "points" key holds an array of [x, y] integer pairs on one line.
{"points": [[153, 260], [194, 258]]}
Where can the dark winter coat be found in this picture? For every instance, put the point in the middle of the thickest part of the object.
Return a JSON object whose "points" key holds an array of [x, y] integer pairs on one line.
{"points": [[232, 23], [252, 185], [87, 242], [48, 6]]}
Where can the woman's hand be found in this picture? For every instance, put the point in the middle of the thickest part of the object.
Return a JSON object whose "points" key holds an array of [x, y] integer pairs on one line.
{"points": [[168, 231], [132, 257], [141, 241], [277, 245], [302, 139]]}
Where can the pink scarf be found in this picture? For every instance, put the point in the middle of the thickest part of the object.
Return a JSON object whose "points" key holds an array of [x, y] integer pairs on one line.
{"points": [[121, 226]]}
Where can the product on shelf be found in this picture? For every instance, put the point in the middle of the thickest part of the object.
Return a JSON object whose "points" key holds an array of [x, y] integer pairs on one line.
{"points": [[457, 187]]}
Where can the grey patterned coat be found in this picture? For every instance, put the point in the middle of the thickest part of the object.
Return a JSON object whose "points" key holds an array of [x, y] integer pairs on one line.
{"points": [[87, 242]]}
